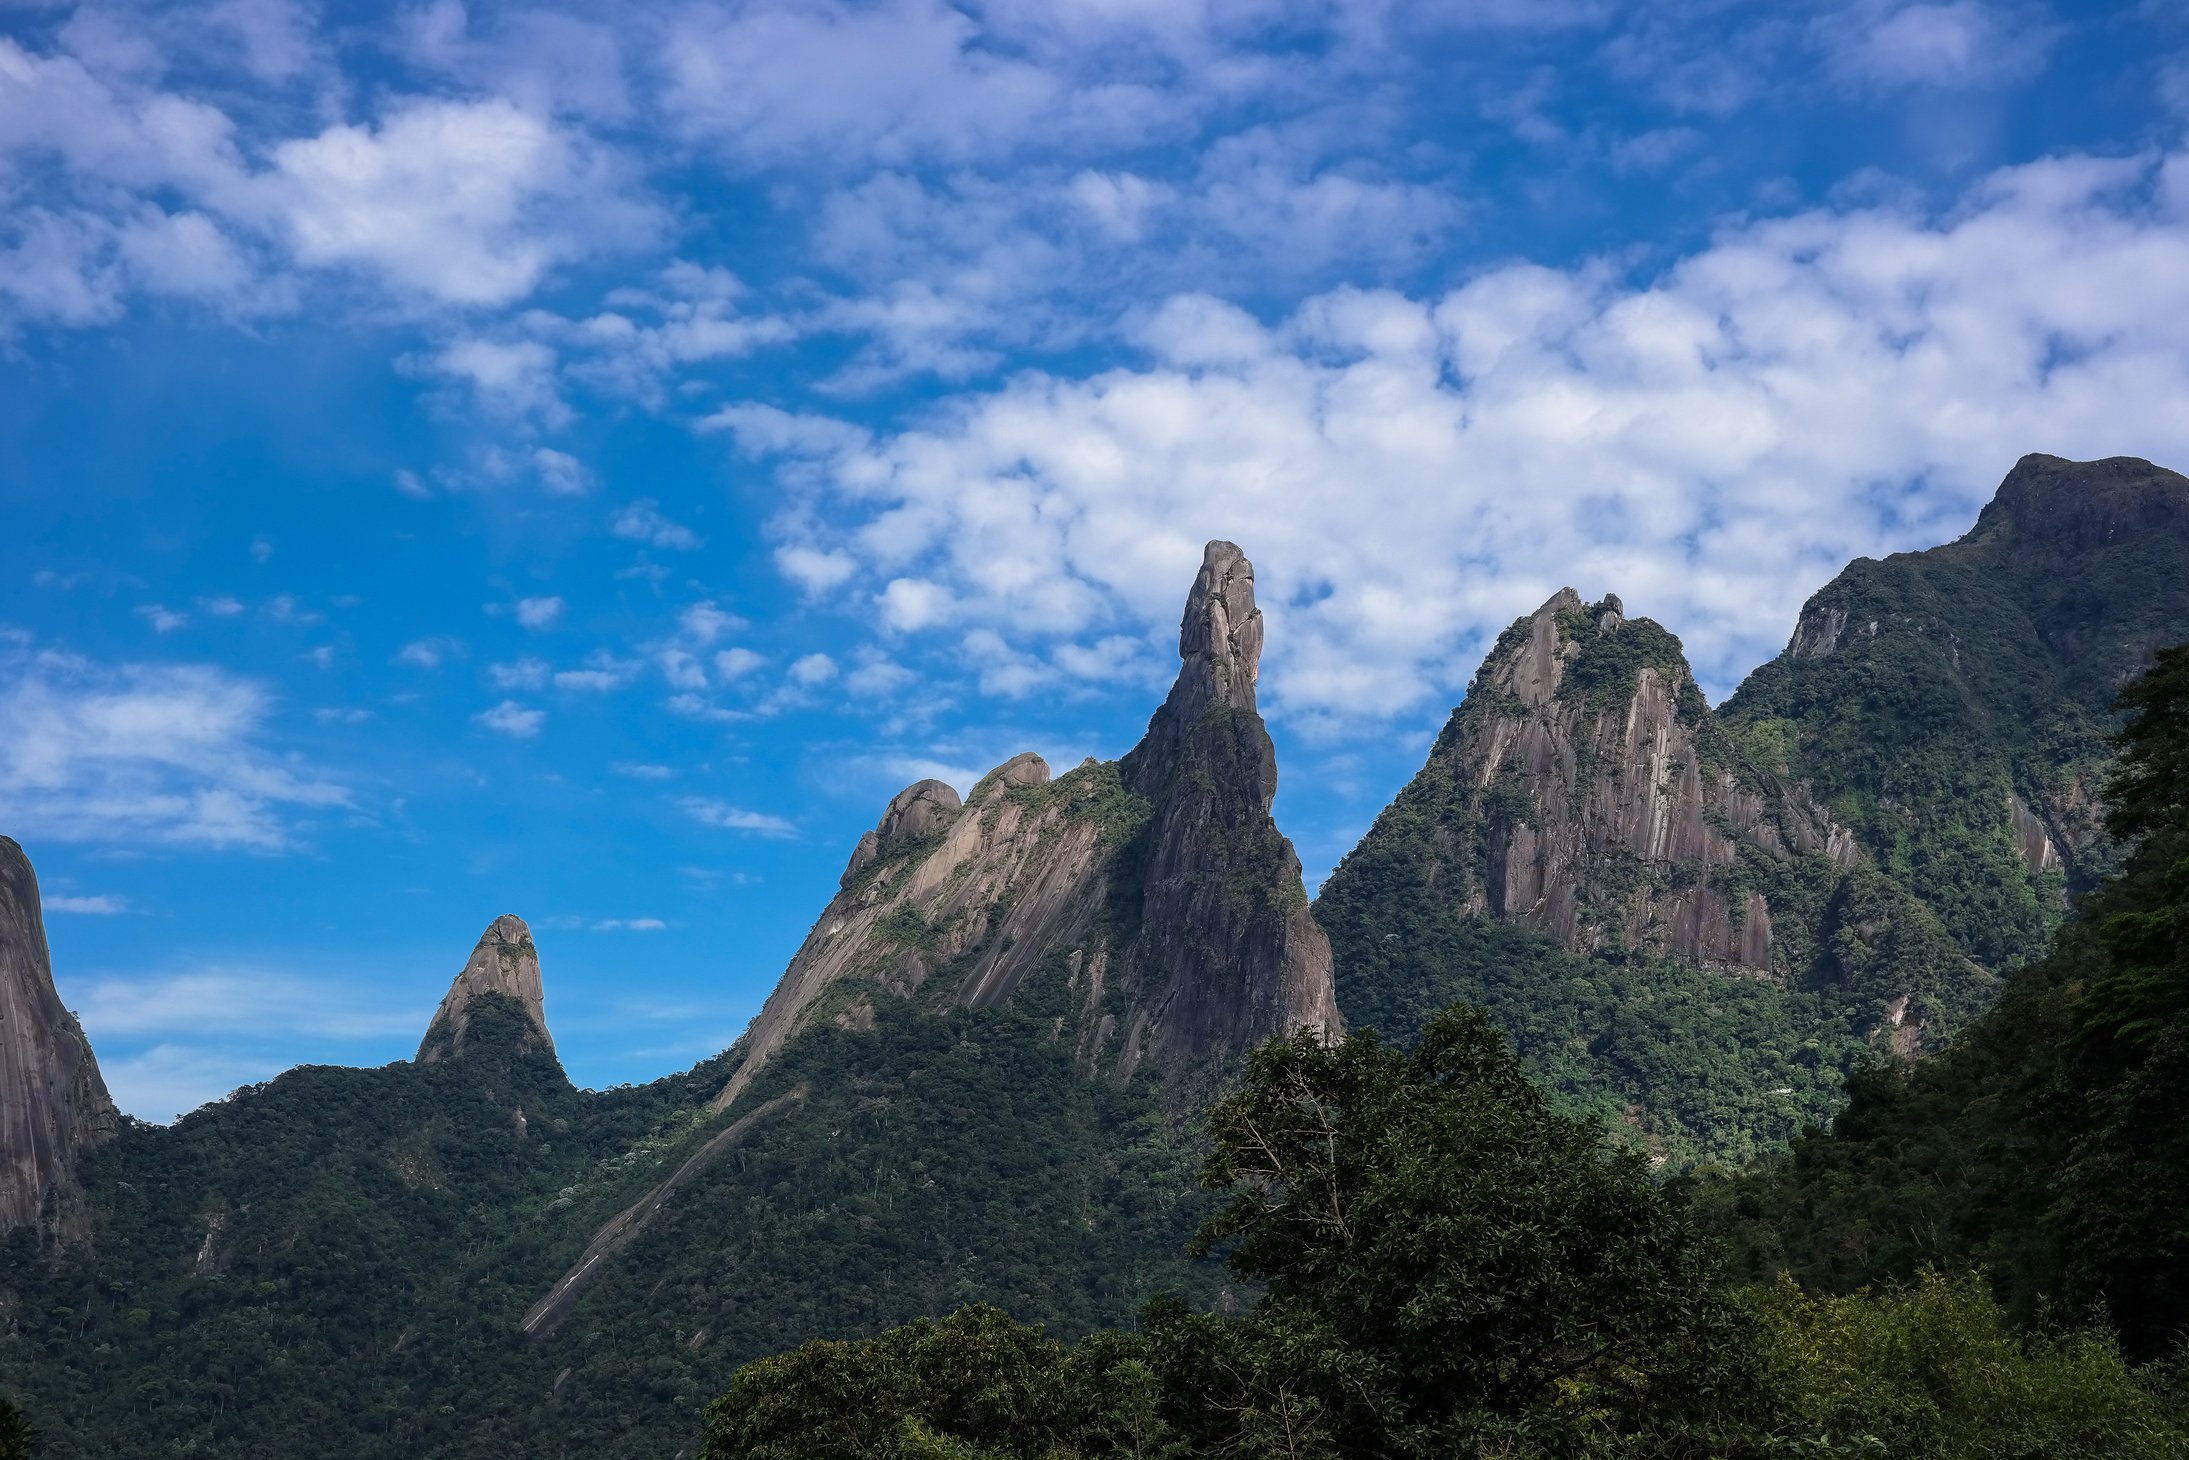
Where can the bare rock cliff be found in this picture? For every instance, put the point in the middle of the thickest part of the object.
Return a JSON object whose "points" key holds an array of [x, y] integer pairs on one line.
{"points": [[1156, 890], [505, 962], [1613, 810], [1228, 955], [53, 1105]]}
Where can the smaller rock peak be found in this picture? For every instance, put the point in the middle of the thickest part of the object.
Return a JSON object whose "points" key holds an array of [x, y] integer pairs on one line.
{"points": [[1565, 600], [918, 810], [1220, 636], [506, 962], [1023, 769], [922, 808]]}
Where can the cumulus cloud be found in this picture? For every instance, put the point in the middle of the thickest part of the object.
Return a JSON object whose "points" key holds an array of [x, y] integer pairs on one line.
{"points": [[463, 202], [1410, 474], [736, 663], [146, 753], [514, 720]]}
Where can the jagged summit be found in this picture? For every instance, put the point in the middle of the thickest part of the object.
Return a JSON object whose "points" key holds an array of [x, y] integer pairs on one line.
{"points": [[53, 1104], [505, 962], [1220, 646], [1215, 970], [1157, 888], [1589, 793]]}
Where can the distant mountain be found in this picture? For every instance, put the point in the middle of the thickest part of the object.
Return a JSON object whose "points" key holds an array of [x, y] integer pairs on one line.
{"points": [[1696, 923], [976, 1081]]}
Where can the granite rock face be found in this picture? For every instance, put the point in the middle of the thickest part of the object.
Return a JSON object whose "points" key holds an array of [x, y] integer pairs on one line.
{"points": [[53, 1105], [506, 963], [1156, 890], [1227, 954], [1605, 807]]}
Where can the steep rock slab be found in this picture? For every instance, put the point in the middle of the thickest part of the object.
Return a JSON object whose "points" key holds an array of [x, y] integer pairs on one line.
{"points": [[504, 963], [53, 1104], [1588, 793], [1154, 895]]}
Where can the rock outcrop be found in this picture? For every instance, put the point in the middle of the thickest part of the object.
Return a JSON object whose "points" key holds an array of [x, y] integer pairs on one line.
{"points": [[504, 963], [1157, 889], [1591, 795], [1227, 954], [53, 1105]]}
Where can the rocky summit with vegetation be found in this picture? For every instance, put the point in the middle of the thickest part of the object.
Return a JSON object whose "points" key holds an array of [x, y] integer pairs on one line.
{"points": [[1794, 1077]]}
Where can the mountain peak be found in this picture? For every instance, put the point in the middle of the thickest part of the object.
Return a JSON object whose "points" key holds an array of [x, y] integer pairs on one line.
{"points": [[2050, 507], [53, 1104], [1220, 654], [504, 962]]}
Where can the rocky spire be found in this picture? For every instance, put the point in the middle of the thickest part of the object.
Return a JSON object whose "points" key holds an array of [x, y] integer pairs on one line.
{"points": [[1227, 955], [505, 963], [53, 1105]]}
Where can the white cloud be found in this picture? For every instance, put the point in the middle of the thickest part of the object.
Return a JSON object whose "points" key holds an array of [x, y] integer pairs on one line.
{"points": [[629, 925], [511, 377], [879, 677], [704, 622], [816, 572], [813, 669], [1411, 474], [222, 606], [145, 753], [642, 522], [915, 603], [514, 720], [603, 671], [163, 620], [736, 663], [710, 812], [639, 771], [561, 474], [681, 669], [538, 613], [463, 202], [101, 906]]}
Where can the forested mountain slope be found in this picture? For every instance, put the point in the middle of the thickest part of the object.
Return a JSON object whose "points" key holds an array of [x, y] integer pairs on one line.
{"points": [[1696, 923], [2050, 1143], [976, 1081]]}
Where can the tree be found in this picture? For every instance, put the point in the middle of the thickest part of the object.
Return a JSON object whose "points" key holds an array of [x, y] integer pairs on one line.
{"points": [[1447, 1261], [17, 1442]]}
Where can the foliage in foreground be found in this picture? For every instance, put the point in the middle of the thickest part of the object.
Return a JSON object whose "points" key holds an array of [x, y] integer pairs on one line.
{"points": [[1447, 1265], [1451, 1268], [2050, 1143]]}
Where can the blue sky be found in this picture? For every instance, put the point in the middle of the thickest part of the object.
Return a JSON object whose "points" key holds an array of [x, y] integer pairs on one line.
{"points": [[459, 459]]}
